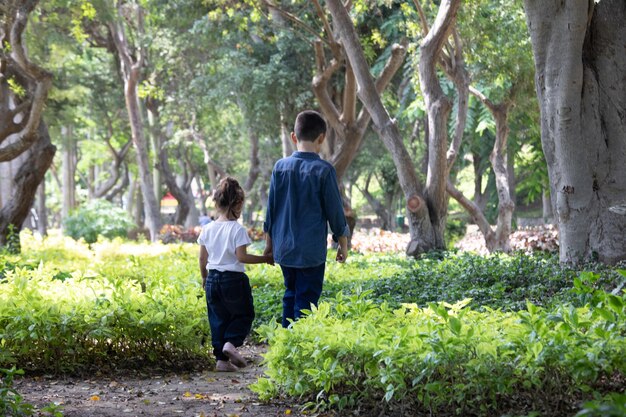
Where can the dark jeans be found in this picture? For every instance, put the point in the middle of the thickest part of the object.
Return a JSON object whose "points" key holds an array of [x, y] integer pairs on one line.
{"points": [[230, 307], [303, 287]]}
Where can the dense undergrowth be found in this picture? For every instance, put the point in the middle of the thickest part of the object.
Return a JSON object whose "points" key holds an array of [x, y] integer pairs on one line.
{"points": [[382, 338]]}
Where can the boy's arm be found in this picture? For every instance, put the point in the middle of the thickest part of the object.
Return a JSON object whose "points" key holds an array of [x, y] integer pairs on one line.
{"points": [[244, 257], [333, 208], [203, 258]]}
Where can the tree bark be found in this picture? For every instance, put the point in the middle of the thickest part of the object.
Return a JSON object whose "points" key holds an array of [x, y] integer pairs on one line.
{"points": [[42, 212], [69, 170], [285, 136], [26, 181], [22, 132], [131, 71], [499, 163], [116, 171], [438, 108], [425, 223], [546, 205], [580, 60]]}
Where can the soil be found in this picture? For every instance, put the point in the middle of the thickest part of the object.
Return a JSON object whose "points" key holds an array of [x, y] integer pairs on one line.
{"points": [[127, 394]]}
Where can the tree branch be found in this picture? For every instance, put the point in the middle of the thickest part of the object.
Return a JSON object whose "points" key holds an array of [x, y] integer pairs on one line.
{"points": [[295, 20], [320, 88], [42, 81]]}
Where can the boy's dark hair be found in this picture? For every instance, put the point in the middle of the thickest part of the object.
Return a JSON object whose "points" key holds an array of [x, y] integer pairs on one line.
{"points": [[228, 194], [309, 125]]}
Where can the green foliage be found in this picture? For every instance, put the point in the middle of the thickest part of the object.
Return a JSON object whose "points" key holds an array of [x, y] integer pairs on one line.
{"points": [[124, 305], [11, 402], [613, 405], [447, 358], [496, 281], [98, 218], [455, 230], [13, 244]]}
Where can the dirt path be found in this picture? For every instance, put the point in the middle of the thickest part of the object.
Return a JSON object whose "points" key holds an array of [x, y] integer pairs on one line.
{"points": [[200, 394]]}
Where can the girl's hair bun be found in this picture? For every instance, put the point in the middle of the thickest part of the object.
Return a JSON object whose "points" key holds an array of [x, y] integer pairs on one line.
{"points": [[228, 194]]}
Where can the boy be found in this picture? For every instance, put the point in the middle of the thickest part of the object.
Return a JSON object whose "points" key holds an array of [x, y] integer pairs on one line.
{"points": [[303, 199]]}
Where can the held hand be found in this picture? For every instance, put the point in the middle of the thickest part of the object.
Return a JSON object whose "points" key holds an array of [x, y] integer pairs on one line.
{"points": [[342, 255], [269, 259]]}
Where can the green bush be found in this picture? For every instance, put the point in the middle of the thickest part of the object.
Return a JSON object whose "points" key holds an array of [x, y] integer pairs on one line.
{"points": [[495, 281], [11, 402], [449, 359], [97, 218], [125, 305]]}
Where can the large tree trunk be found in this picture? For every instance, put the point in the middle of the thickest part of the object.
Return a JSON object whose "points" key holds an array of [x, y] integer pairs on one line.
{"points": [[426, 223], [131, 72], [26, 181], [426, 209], [498, 158], [22, 133], [438, 108], [580, 61]]}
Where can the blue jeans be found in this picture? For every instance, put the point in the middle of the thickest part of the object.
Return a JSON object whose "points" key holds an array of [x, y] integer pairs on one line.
{"points": [[230, 308], [303, 287]]}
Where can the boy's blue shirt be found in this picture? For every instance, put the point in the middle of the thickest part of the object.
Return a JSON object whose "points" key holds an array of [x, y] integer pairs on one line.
{"points": [[303, 200]]}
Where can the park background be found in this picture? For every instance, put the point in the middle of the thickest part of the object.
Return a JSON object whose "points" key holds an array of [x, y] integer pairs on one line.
{"points": [[480, 148]]}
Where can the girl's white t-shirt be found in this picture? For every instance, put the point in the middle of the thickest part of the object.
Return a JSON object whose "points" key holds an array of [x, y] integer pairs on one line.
{"points": [[221, 239]]}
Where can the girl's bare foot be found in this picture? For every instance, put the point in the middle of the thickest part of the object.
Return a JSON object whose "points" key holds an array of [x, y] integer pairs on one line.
{"points": [[235, 357], [225, 366]]}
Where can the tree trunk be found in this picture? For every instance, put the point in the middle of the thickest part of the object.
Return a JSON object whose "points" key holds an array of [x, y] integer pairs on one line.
{"points": [[23, 135], [129, 198], [117, 169], [255, 163], [580, 62], [425, 225], [193, 217], [139, 206], [381, 211], [131, 72], [500, 166], [26, 181], [546, 205], [285, 136], [69, 170], [42, 212], [438, 108], [480, 197], [498, 159]]}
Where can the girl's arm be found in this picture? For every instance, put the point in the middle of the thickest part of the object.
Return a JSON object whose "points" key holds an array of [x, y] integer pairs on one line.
{"points": [[244, 257], [203, 258]]}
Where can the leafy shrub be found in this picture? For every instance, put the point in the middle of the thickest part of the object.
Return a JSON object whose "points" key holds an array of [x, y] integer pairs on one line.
{"points": [[496, 281], [613, 405], [11, 402], [129, 305], [455, 230], [97, 218], [449, 359]]}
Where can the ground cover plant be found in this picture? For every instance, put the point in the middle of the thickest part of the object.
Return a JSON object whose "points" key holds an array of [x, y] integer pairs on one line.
{"points": [[448, 359], [73, 308], [70, 307]]}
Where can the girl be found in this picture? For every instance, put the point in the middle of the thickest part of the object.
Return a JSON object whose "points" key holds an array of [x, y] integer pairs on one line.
{"points": [[228, 294]]}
